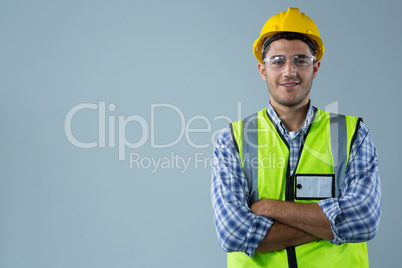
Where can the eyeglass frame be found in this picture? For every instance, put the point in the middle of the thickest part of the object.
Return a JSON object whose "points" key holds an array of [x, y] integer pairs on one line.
{"points": [[311, 57]]}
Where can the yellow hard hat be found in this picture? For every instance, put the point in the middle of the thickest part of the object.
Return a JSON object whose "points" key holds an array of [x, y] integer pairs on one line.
{"points": [[289, 21]]}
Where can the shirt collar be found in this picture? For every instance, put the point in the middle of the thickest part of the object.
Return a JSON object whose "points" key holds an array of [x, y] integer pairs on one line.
{"points": [[278, 122]]}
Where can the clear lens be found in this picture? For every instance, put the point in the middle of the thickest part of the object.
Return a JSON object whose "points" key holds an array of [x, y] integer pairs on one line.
{"points": [[298, 61]]}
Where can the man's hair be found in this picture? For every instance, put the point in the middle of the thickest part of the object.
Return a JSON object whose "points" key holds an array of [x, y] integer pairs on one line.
{"points": [[288, 36]]}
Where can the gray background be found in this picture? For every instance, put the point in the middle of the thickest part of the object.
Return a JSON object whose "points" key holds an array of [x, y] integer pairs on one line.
{"points": [[63, 206]]}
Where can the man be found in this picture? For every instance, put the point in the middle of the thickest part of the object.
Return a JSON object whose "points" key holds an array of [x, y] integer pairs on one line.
{"points": [[292, 185]]}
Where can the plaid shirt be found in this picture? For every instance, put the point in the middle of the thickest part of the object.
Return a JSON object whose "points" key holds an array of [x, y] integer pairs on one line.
{"points": [[354, 217]]}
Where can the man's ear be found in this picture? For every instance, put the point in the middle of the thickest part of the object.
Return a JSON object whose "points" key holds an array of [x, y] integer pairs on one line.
{"points": [[261, 69], [315, 68]]}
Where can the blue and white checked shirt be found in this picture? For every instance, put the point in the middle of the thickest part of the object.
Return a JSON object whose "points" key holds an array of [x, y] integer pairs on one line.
{"points": [[354, 217]]}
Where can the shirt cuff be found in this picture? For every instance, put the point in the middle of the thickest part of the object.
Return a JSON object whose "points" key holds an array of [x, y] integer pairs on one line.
{"points": [[260, 227], [331, 208]]}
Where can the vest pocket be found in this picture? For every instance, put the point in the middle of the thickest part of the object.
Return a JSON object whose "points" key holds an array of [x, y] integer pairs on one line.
{"points": [[314, 186]]}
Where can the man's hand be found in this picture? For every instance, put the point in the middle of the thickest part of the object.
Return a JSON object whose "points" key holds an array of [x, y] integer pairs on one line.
{"points": [[308, 218]]}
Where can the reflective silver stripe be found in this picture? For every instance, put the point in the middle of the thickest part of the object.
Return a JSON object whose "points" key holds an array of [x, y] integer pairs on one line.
{"points": [[250, 152], [339, 149]]}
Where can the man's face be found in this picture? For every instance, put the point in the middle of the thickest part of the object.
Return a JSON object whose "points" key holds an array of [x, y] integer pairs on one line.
{"points": [[289, 86]]}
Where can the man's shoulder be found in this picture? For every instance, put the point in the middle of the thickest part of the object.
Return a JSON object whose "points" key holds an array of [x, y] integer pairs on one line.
{"points": [[225, 136], [362, 128], [224, 133]]}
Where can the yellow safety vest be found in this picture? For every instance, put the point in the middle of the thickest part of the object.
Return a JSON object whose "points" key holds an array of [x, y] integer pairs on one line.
{"points": [[319, 174]]}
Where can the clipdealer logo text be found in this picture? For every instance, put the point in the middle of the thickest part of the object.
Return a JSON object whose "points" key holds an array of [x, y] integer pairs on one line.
{"points": [[112, 133]]}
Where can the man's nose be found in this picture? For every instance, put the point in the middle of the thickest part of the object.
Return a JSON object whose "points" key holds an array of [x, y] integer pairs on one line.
{"points": [[289, 69]]}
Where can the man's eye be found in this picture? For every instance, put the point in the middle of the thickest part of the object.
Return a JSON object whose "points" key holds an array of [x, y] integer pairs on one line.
{"points": [[301, 61], [278, 62]]}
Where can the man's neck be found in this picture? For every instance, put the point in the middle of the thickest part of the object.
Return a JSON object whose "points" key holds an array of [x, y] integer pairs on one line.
{"points": [[292, 117]]}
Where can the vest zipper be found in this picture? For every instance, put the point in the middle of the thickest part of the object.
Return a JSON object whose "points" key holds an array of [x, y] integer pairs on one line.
{"points": [[289, 190], [289, 196], [290, 193]]}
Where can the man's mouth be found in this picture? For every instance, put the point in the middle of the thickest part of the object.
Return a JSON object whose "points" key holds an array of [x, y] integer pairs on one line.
{"points": [[289, 84]]}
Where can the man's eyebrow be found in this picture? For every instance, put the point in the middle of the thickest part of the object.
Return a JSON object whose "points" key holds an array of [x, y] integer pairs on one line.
{"points": [[284, 56], [277, 56]]}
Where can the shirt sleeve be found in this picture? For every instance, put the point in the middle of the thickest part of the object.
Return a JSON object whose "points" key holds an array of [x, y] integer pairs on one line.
{"points": [[238, 229], [355, 216]]}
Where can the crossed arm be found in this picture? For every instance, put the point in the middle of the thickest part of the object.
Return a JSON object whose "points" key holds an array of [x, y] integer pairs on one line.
{"points": [[270, 225], [295, 224]]}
